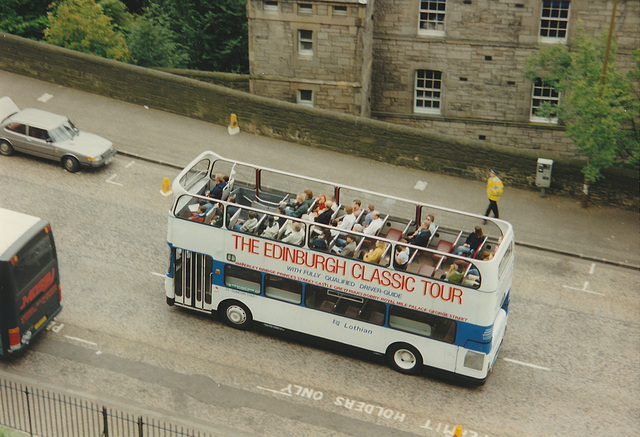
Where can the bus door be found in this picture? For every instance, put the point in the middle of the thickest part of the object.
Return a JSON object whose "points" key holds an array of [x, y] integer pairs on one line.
{"points": [[192, 279]]}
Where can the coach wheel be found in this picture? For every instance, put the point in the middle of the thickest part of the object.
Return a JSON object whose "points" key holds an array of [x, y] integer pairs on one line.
{"points": [[237, 315], [404, 358], [5, 148], [70, 164]]}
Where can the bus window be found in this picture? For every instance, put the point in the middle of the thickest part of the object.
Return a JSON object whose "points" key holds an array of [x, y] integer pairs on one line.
{"points": [[31, 259], [284, 289], [424, 324], [348, 305], [242, 279]]}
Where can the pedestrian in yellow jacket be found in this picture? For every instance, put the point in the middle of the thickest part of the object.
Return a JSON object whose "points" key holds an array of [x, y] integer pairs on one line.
{"points": [[494, 191]]}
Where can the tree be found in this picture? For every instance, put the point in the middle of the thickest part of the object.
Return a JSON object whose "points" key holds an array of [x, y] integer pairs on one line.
{"points": [[81, 25], [25, 18], [600, 117], [152, 43], [213, 33]]}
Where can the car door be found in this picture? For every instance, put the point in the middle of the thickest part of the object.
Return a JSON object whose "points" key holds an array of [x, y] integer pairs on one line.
{"points": [[39, 142]]}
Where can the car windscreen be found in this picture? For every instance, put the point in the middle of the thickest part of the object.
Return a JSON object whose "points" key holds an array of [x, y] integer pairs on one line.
{"points": [[65, 132]]}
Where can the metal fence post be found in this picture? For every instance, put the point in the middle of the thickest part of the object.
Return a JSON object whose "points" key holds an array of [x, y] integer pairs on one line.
{"points": [[140, 430], [105, 432], [26, 392]]}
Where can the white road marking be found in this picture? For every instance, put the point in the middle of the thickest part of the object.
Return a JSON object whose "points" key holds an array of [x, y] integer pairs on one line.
{"points": [[593, 268], [158, 274], [420, 185], [586, 284], [522, 363], [80, 340], [278, 392], [110, 180], [129, 164], [45, 98]]}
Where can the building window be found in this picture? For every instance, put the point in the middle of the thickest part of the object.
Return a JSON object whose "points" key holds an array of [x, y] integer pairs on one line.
{"points": [[554, 21], [305, 9], [428, 92], [340, 11], [543, 95], [305, 97], [305, 42], [432, 13], [270, 6]]}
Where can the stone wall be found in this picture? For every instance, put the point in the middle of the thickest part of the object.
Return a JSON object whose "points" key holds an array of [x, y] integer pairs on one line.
{"points": [[395, 144]]}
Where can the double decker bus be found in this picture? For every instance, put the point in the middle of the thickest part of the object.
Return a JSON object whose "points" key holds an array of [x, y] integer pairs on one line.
{"points": [[29, 280], [415, 314]]}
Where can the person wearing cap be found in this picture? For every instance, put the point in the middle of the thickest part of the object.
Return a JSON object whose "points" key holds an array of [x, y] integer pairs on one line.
{"points": [[494, 191]]}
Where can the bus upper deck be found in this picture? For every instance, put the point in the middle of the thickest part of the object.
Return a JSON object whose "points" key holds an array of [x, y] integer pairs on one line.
{"points": [[485, 274]]}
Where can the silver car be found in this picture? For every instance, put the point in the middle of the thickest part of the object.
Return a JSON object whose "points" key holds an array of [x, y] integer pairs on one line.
{"points": [[50, 136]]}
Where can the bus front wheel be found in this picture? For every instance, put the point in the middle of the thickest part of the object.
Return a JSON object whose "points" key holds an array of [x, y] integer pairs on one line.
{"points": [[404, 358], [237, 315]]}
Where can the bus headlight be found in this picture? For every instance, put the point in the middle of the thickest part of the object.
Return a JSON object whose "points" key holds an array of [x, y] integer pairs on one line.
{"points": [[474, 360]]}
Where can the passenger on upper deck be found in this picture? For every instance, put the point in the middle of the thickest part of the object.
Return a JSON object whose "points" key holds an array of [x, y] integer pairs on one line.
{"points": [[375, 254], [216, 191], [324, 216], [271, 231], [376, 224], [369, 211], [350, 247], [347, 221], [297, 208], [453, 275], [472, 243], [322, 242], [401, 257], [321, 205], [309, 199], [281, 220], [421, 236], [250, 225], [357, 208], [200, 215], [295, 237], [216, 220]]}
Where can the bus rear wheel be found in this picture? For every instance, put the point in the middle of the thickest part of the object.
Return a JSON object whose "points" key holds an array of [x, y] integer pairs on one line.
{"points": [[404, 358], [237, 315]]}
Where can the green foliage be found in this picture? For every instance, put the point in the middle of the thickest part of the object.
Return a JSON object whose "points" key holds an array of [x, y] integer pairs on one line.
{"points": [[81, 25], [151, 43], [213, 33], [117, 11], [600, 119], [25, 18]]}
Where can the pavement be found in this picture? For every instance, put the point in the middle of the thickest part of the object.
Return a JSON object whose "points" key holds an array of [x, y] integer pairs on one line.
{"points": [[551, 223]]}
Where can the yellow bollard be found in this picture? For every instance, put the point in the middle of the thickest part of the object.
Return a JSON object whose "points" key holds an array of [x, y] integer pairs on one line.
{"points": [[166, 187], [457, 432], [233, 125]]}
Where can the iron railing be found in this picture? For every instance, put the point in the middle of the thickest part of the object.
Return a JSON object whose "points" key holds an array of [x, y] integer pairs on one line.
{"points": [[44, 413]]}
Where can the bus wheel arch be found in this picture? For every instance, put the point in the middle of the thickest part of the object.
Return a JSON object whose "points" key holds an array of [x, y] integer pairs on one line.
{"points": [[236, 314], [404, 358]]}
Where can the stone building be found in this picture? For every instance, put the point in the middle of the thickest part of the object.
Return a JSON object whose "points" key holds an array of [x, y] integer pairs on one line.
{"points": [[454, 67]]}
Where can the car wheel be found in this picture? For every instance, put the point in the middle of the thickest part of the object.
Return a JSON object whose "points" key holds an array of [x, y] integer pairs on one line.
{"points": [[237, 315], [5, 148], [404, 358], [70, 164]]}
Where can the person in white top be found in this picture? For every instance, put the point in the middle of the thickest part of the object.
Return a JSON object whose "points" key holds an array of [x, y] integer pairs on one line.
{"points": [[347, 222], [376, 224], [295, 237]]}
